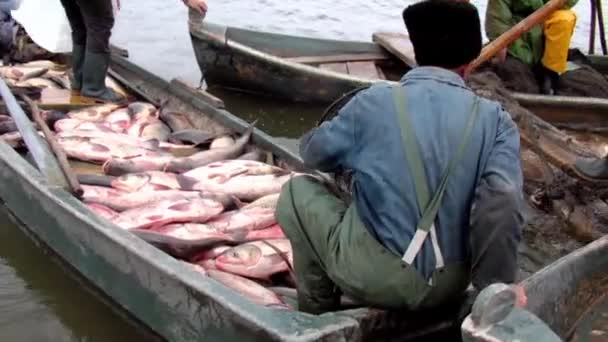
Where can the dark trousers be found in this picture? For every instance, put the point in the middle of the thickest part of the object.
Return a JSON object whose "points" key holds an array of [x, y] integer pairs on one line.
{"points": [[91, 22], [333, 253]]}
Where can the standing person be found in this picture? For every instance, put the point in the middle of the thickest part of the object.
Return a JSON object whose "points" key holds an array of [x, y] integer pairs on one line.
{"points": [[91, 22], [545, 47], [437, 182]]}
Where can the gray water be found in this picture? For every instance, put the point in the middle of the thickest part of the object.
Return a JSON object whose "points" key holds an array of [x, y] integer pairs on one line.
{"points": [[38, 301]]}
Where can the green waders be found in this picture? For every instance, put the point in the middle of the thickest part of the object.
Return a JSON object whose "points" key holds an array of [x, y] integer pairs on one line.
{"points": [[334, 252]]}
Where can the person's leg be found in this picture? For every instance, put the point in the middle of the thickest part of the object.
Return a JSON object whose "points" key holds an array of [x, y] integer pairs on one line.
{"points": [[308, 214], [333, 253], [558, 30], [99, 20], [79, 39]]}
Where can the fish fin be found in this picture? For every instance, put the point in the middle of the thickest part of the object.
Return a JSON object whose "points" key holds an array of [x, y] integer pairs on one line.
{"points": [[161, 187], [184, 206], [239, 204], [185, 182], [152, 143]]}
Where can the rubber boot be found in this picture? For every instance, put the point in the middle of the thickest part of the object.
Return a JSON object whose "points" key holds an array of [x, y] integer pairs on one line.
{"points": [[78, 52], [94, 73], [548, 80]]}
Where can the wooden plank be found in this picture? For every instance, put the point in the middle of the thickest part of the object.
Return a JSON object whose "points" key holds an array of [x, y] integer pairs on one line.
{"points": [[64, 99], [398, 44], [366, 70], [339, 58], [337, 67]]}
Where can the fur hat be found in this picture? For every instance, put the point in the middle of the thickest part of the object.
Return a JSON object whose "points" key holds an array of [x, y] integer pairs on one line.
{"points": [[444, 33]]}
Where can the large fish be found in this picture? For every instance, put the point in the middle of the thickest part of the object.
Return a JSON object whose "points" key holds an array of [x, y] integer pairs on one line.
{"points": [[223, 141], [95, 113], [118, 166], [18, 72], [249, 289], [151, 144], [152, 181], [142, 110], [245, 187], [244, 219], [150, 129], [38, 82], [177, 121], [119, 120], [161, 213], [257, 259], [256, 155], [181, 165], [97, 150], [223, 170], [209, 254], [191, 136], [72, 125], [42, 63], [126, 201], [102, 211], [269, 201], [186, 240], [95, 193]]}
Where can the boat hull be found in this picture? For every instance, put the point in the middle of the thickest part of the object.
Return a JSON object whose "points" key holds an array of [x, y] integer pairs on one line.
{"points": [[558, 296], [234, 66]]}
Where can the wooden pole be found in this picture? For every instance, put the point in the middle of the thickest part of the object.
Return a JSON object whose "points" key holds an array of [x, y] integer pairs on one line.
{"points": [[44, 159], [592, 31], [74, 185], [515, 32], [600, 22]]}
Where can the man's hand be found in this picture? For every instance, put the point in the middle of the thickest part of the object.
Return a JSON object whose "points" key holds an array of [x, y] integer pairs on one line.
{"points": [[198, 5]]}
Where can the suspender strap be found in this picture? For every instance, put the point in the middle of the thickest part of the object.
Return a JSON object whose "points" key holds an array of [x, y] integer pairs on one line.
{"points": [[428, 207]]}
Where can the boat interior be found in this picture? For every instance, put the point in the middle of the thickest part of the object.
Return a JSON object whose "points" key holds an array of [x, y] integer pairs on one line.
{"points": [[361, 59], [387, 57]]}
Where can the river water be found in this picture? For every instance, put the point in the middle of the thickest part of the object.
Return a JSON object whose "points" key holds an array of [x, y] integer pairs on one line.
{"points": [[38, 302]]}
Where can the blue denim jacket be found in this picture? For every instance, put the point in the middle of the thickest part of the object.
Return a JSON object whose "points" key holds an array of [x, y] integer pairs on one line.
{"points": [[365, 137]]}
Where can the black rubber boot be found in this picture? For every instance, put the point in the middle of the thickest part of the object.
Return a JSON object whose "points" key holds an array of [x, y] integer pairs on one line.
{"points": [[94, 73], [548, 80], [592, 169], [78, 52]]}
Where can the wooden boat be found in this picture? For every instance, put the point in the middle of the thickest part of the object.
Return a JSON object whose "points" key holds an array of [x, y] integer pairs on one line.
{"points": [[164, 294], [307, 69], [577, 283]]}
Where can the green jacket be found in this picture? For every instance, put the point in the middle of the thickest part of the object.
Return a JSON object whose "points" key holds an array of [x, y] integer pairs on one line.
{"points": [[501, 15]]}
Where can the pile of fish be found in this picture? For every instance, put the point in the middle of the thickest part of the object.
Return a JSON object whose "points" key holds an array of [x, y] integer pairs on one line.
{"points": [[206, 199], [43, 74]]}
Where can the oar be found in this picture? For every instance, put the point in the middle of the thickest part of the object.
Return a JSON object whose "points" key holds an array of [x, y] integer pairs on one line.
{"points": [[507, 38], [592, 25], [43, 158], [74, 185]]}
